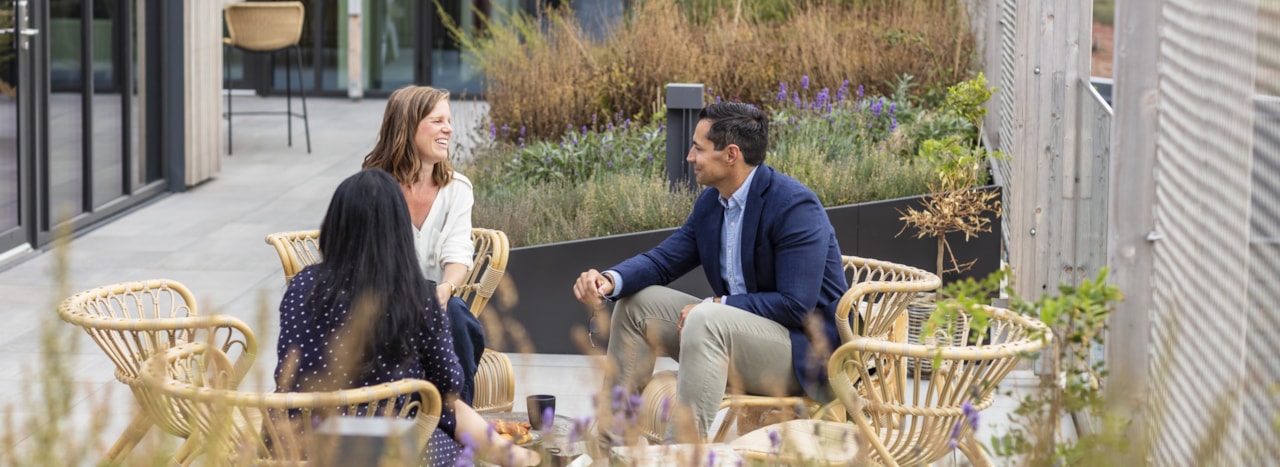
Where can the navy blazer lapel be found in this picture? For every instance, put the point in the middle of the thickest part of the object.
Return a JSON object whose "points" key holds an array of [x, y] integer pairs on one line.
{"points": [[712, 229], [751, 224]]}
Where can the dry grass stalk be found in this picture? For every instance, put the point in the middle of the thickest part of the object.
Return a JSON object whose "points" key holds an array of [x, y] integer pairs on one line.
{"points": [[549, 78]]}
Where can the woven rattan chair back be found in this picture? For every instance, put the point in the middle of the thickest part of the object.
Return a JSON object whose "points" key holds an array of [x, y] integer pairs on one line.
{"points": [[243, 428], [491, 251], [917, 428], [264, 26], [495, 387], [297, 250], [132, 321], [880, 291]]}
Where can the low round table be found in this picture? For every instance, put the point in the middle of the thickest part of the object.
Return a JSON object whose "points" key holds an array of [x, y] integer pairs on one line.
{"points": [[557, 443]]}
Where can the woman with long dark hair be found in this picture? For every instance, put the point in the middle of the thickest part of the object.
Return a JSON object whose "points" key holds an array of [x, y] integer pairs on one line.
{"points": [[366, 315]]}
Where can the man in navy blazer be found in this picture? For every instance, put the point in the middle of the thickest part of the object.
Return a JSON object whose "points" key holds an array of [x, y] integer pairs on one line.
{"points": [[770, 255]]}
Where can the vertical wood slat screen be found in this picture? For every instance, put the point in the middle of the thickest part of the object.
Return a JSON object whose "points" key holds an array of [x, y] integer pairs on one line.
{"points": [[1201, 276], [1262, 368], [1007, 37], [202, 39]]}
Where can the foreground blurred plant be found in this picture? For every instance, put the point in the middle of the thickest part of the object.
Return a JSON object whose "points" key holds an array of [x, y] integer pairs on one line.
{"points": [[48, 434]]}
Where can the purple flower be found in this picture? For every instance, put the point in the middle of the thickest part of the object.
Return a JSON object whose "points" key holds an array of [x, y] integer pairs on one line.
{"points": [[549, 157], [876, 107], [971, 415], [584, 129], [711, 458], [804, 82], [505, 129], [493, 131], [859, 92], [823, 95], [548, 418], [775, 439], [636, 401], [626, 123], [579, 428], [893, 124], [466, 458], [717, 99], [650, 158], [521, 130], [619, 394], [796, 98], [892, 107]]}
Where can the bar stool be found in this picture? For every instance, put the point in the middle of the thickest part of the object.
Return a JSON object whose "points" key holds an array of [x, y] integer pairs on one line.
{"points": [[268, 27]]}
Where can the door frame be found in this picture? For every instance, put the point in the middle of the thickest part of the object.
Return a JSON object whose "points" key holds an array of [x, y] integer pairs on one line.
{"points": [[28, 117]]}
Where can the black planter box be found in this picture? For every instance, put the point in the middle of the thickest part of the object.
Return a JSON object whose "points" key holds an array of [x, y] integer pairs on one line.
{"points": [[543, 275]]}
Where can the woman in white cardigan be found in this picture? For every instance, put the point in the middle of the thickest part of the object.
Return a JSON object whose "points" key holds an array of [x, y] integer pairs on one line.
{"points": [[413, 146]]}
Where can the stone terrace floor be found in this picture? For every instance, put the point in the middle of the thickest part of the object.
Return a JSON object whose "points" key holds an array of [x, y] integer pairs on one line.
{"points": [[210, 238]]}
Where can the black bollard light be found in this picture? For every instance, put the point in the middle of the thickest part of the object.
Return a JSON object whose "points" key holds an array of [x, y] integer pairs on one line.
{"points": [[684, 101]]}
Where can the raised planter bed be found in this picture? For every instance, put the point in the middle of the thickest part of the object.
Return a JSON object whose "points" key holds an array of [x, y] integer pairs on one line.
{"points": [[543, 275]]}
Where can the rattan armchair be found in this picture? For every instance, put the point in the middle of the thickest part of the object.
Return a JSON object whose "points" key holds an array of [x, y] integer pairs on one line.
{"points": [[132, 321], [495, 377], [916, 427], [880, 292], [268, 27], [241, 428]]}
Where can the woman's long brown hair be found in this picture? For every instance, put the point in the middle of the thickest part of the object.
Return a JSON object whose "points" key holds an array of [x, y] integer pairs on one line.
{"points": [[394, 152]]}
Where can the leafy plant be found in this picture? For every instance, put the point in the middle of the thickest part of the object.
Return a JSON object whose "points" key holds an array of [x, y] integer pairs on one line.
{"points": [[967, 100], [1069, 382], [580, 155]]}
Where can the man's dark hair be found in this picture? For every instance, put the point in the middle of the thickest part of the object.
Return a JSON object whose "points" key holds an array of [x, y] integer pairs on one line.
{"points": [[740, 124]]}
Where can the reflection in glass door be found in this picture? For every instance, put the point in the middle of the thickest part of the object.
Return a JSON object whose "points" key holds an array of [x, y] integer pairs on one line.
{"points": [[14, 228]]}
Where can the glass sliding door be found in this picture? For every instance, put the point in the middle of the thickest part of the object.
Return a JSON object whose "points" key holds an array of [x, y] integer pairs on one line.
{"points": [[113, 129], [68, 76], [14, 215]]}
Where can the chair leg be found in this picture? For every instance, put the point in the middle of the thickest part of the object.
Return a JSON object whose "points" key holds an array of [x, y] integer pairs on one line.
{"points": [[188, 451], [730, 417], [288, 94], [137, 428], [302, 92], [973, 451]]}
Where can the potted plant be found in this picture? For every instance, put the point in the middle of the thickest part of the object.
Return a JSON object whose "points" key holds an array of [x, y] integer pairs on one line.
{"points": [[956, 207]]}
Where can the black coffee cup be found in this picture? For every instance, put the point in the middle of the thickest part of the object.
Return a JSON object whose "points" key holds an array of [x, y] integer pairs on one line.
{"points": [[540, 405]]}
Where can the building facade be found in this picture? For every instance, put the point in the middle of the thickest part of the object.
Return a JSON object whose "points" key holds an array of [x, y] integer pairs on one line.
{"points": [[106, 104]]}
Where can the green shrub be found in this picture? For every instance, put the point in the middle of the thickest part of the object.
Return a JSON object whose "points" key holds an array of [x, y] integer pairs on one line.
{"points": [[581, 154], [845, 145]]}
